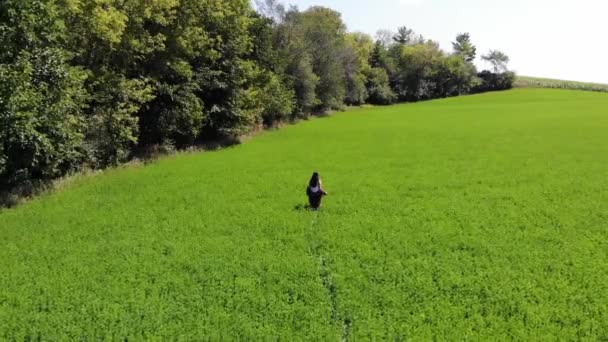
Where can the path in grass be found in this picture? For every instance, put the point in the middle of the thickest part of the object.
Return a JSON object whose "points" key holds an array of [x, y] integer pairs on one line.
{"points": [[482, 216]]}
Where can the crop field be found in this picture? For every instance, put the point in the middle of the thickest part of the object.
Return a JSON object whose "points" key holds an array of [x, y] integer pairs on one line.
{"points": [[479, 217], [535, 82]]}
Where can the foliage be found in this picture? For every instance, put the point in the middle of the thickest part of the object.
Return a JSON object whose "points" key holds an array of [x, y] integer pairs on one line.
{"points": [[498, 60], [378, 87], [324, 34], [404, 36], [464, 48], [304, 82], [417, 67], [474, 218], [276, 100], [493, 82], [113, 127], [41, 120], [456, 77], [357, 53], [94, 83], [41, 97]]}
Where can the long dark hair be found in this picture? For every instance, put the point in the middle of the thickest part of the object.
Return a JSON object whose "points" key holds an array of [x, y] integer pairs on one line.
{"points": [[314, 181]]}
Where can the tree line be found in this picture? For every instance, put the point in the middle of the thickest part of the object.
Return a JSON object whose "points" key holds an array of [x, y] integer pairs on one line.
{"points": [[90, 84]]}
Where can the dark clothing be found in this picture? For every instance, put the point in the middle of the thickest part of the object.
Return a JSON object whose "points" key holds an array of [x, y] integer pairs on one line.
{"points": [[314, 198]]}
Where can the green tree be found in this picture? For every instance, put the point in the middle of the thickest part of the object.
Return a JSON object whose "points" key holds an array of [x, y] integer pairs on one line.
{"points": [[416, 69], [455, 77], [357, 54], [404, 36], [315, 39], [498, 59], [42, 100], [94, 82], [378, 87], [325, 32], [295, 62], [464, 48], [304, 82]]}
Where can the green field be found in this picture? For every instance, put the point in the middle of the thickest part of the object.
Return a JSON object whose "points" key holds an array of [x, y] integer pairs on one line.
{"points": [[536, 82], [479, 217]]}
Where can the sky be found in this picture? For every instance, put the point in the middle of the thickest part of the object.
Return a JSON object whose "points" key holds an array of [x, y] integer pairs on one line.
{"points": [[564, 39]]}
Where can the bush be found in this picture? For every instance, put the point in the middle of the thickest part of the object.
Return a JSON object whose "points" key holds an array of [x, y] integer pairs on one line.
{"points": [[494, 81]]}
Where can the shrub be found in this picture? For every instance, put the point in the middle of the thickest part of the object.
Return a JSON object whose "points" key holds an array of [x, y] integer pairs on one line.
{"points": [[494, 81]]}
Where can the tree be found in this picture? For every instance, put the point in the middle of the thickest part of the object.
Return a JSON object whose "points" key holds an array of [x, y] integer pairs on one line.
{"points": [[385, 37], [498, 60], [378, 57], [317, 36], [456, 76], [404, 36], [357, 53], [304, 82], [95, 82], [42, 97], [272, 9], [378, 87], [276, 100], [296, 61], [464, 48], [416, 69]]}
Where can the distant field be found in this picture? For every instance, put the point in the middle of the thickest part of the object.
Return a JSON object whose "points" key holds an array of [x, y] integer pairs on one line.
{"points": [[474, 218], [535, 82]]}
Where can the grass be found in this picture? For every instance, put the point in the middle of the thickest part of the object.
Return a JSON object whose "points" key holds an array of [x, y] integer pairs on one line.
{"points": [[480, 217], [535, 82]]}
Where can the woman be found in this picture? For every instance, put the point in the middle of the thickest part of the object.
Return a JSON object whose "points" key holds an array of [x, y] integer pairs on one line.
{"points": [[314, 191]]}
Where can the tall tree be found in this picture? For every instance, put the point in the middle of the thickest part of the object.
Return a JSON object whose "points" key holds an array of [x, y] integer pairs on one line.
{"points": [[464, 48], [385, 37], [498, 59], [297, 61], [417, 67], [272, 9], [319, 35], [42, 97], [357, 53], [404, 35]]}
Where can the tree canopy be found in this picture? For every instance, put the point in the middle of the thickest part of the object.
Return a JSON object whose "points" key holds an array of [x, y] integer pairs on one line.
{"points": [[95, 83]]}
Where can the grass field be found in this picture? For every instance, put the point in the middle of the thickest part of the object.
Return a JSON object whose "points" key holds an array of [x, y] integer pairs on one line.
{"points": [[480, 217], [535, 82]]}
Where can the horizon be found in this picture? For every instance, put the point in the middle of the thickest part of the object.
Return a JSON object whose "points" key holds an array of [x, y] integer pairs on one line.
{"points": [[533, 44]]}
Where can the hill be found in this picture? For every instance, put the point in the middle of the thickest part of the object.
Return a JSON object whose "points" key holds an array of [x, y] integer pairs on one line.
{"points": [[535, 82], [473, 217]]}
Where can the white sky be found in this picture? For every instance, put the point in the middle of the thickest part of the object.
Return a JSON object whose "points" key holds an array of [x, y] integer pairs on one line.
{"points": [[562, 39]]}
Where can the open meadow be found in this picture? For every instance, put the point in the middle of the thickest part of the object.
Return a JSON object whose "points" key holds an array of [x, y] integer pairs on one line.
{"points": [[477, 217]]}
